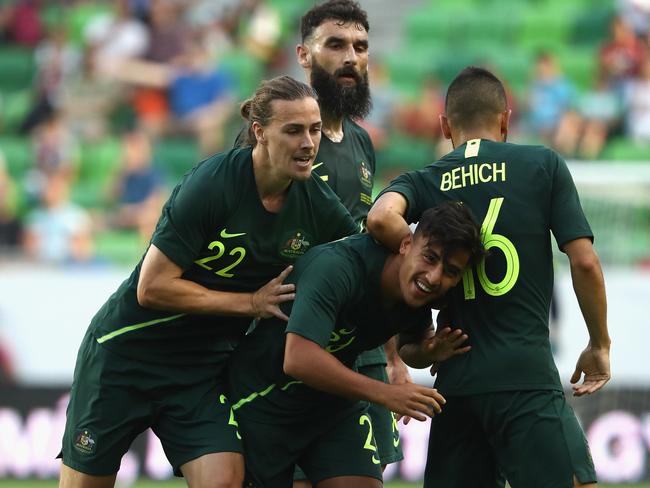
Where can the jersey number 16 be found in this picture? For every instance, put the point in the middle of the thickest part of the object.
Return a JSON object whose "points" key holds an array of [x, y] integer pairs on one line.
{"points": [[506, 246]]}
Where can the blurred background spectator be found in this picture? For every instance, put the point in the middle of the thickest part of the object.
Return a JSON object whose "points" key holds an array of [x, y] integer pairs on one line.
{"points": [[57, 230], [124, 97]]}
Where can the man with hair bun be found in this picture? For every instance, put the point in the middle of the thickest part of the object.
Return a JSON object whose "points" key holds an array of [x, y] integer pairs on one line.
{"points": [[155, 353], [506, 417]]}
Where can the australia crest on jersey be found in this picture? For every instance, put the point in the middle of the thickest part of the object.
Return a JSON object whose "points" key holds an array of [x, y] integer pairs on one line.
{"points": [[295, 244], [365, 174], [84, 441]]}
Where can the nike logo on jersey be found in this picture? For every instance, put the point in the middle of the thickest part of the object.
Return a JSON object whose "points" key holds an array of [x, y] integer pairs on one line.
{"points": [[226, 235]]}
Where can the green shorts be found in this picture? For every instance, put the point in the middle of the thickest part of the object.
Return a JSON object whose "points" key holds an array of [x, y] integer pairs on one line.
{"points": [[114, 399], [340, 445], [383, 422], [531, 438]]}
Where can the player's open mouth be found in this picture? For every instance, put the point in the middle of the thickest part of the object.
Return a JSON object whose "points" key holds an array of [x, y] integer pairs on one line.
{"points": [[303, 160], [422, 287]]}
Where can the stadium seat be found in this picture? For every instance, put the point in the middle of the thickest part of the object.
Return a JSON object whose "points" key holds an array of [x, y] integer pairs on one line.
{"points": [[245, 69], [175, 157], [16, 68], [622, 149], [99, 161], [14, 107], [18, 155], [120, 247], [403, 153]]}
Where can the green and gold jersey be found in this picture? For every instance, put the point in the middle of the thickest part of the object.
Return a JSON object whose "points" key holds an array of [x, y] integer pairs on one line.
{"points": [[349, 167], [339, 306], [520, 194], [216, 229]]}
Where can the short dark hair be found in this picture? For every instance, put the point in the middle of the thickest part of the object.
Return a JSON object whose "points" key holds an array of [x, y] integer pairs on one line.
{"points": [[473, 97], [258, 107], [342, 10], [452, 225]]}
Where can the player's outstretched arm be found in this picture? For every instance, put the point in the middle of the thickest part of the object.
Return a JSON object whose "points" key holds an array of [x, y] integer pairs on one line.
{"points": [[432, 347], [308, 362], [162, 287], [589, 287], [386, 221]]}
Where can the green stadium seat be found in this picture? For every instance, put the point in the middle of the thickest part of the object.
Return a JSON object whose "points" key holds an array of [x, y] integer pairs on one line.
{"points": [[14, 107], [591, 25], [404, 153], [121, 247], [245, 69], [99, 162], [18, 155], [16, 68], [623, 149], [175, 157], [579, 65]]}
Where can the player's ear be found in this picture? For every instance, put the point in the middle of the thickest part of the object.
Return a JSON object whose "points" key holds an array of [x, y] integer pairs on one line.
{"points": [[407, 240], [304, 56], [258, 130], [505, 122], [444, 125]]}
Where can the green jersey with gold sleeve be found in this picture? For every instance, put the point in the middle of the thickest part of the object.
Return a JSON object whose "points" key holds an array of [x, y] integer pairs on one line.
{"points": [[521, 194], [215, 227], [348, 167], [338, 306]]}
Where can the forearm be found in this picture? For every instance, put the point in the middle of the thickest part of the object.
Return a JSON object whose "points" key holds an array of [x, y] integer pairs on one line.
{"points": [[392, 355], [308, 362], [416, 356], [180, 295], [386, 221], [589, 287]]}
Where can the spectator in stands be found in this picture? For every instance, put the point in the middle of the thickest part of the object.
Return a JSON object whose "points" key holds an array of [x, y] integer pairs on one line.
{"points": [[56, 61], [168, 40], [89, 98], [621, 56], [10, 224], [138, 190], [201, 97], [600, 111], [58, 231], [20, 22], [419, 117], [551, 112], [55, 152], [116, 36], [637, 105]]}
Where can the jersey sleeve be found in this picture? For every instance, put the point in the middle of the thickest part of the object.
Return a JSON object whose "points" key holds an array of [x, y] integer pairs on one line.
{"points": [[197, 205], [568, 221], [409, 185], [322, 291], [347, 225]]}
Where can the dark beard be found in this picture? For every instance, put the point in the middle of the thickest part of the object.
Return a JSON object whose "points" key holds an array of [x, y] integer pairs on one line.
{"points": [[336, 100]]}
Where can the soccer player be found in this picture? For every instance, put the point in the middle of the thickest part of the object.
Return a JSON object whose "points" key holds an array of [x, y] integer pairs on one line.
{"points": [[154, 354], [294, 392], [506, 413], [334, 56]]}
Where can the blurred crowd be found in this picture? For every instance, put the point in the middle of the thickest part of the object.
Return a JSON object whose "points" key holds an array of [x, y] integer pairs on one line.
{"points": [[139, 73]]}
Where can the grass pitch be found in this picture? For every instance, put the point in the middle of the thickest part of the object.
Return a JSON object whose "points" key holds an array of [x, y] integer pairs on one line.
{"points": [[5, 483]]}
